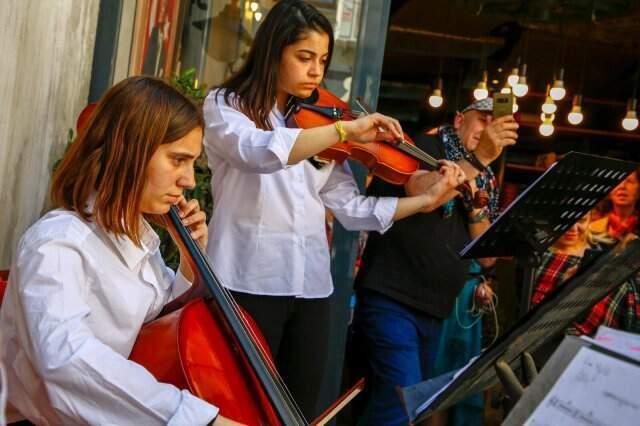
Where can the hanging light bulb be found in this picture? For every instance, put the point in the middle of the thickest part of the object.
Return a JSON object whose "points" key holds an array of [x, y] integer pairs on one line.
{"points": [[548, 107], [436, 100], [506, 89], [481, 91], [515, 107], [575, 117], [558, 91], [521, 88], [254, 6], [630, 121], [258, 16], [547, 117], [513, 77], [546, 127]]}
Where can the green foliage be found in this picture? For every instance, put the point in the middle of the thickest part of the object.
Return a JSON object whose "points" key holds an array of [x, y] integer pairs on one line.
{"points": [[187, 84]]}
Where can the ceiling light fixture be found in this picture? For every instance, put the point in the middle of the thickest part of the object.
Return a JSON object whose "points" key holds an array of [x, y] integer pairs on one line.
{"points": [[630, 120]]}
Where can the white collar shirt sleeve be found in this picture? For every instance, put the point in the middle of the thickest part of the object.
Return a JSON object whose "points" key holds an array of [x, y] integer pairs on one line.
{"points": [[74, 305], [267, 231]]}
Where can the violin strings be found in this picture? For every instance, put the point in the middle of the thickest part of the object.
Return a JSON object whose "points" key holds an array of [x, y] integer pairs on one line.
{"points": [[418, 153], [415, 151]]}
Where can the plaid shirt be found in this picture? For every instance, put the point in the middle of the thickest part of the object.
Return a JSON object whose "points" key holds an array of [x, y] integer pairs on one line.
{"points": [[620, 309], [554, 270]]}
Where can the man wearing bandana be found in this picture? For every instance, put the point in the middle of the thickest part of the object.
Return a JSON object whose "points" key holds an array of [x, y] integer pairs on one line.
{"points": [[410, 276]]}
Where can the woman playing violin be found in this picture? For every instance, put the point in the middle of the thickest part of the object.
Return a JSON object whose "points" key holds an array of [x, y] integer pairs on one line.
{"points": [[87, 275], [267, 234]]}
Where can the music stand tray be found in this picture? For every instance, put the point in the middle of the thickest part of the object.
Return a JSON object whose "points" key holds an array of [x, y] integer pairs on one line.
{"points": [[541, 214]]}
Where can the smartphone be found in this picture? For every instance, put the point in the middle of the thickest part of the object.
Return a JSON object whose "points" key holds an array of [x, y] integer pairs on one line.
{"points": [[502, 104]]}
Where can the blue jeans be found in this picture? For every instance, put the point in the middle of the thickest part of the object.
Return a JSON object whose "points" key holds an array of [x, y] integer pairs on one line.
{"points": [[399, 345]]}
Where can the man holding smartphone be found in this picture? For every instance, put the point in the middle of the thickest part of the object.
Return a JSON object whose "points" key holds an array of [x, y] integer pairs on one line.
{"points": [[410, 276]]}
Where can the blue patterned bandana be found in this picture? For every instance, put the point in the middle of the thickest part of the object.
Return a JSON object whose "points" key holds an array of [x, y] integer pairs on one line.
{"points": [[454, 151]]}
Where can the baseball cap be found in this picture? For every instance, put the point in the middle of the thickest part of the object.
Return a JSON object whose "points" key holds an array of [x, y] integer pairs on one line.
{"points": [[483, 105]]}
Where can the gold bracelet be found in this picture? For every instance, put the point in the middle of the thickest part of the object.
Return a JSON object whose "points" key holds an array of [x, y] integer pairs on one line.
{"points": [[342, 134]]}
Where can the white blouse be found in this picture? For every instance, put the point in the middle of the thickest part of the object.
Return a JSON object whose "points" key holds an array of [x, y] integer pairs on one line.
{"points": [[76, 300], [267, 232]]}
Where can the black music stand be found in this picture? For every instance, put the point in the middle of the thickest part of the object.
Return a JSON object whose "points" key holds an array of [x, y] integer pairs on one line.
{"points": [[546, 209], [543, 212]]}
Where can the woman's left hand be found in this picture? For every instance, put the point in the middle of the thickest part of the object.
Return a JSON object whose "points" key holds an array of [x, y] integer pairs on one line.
{"points": [[194, 219], [450, 176]]}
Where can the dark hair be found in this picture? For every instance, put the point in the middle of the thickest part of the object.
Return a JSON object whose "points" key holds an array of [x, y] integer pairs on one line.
{"points": [[255, 84], [606, 205], [109, 158]]}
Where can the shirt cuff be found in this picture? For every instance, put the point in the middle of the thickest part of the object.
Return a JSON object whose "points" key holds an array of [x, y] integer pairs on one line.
{"points": [[282, 142], [180, 284], [193, 411], [384, 211]]}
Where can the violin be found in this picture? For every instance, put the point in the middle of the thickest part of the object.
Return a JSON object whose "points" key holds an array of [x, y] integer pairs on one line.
{"points": [[213, 348], [392, 161]]}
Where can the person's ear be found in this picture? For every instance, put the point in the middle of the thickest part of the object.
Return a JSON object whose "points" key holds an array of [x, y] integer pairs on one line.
{"points": [[458, 120]]}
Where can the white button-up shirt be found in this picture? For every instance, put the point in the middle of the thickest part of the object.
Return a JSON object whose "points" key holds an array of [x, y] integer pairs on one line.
{"points": [[76, 300], [267, 231]]}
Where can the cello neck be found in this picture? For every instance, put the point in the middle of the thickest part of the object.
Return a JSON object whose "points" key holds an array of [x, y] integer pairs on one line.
{"points": [[208, 285]]}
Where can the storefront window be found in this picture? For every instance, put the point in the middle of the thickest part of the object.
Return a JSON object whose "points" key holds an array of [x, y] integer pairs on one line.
{"points": [[217, 34]]}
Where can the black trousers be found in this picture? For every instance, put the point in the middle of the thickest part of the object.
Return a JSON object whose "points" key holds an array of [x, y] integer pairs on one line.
{"points": [[297, 331]]}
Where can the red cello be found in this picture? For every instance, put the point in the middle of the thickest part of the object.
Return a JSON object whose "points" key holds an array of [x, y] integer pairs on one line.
{"points": [[392, 161], [212, 348]]}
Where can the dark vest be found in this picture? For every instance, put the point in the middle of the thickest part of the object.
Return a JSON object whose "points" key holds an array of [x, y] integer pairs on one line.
{"points": [[416, 262]]}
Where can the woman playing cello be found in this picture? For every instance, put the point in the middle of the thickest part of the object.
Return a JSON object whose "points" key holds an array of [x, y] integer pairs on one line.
{"points": [[87, 275], [267, 234]]}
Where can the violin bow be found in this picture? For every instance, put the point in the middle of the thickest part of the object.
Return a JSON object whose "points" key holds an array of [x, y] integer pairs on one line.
{"points": [[402, 144], [480, 199]]}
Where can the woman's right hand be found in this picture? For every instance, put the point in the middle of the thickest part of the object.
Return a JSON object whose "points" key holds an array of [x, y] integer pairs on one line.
{"points": [[373, 127]]}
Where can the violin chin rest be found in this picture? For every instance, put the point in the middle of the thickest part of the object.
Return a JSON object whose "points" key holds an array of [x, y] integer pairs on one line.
{"points": [[315, 95]]}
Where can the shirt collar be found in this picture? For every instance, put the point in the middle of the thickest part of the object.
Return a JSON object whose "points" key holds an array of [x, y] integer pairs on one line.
{"points": [[131, 254]]}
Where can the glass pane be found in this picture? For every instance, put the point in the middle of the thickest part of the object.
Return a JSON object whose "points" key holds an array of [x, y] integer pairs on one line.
{"points": [[217, 34]]}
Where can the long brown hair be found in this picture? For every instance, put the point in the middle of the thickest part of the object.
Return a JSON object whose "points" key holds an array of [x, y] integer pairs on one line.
{"points": [[109, 158], [255, 84]]}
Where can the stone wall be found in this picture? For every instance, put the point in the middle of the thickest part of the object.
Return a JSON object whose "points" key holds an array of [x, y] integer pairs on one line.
{"points": [[46, 51]]}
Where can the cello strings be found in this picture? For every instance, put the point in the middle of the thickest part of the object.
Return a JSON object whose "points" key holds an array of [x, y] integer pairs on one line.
{"points": [[263, 353], [263, 356], [281, 387]]}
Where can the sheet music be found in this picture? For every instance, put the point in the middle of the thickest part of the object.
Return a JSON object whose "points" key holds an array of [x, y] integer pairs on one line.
{"points": [[428, 402], [619, 341], [596, 390]]}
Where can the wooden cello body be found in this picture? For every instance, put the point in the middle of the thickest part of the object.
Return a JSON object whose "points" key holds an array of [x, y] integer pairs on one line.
{"points": [[188, 349], [204, 342]]}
